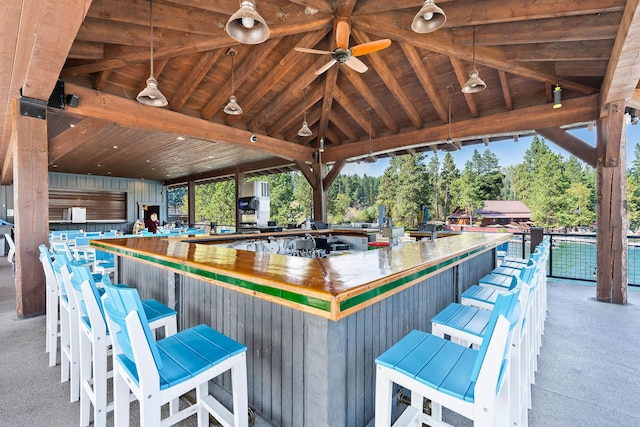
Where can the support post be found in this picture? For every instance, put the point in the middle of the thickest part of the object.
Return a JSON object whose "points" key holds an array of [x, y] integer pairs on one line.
{"points": [[239, 181], [31, 199], [319, 192], [191, 201], [611, 231]]}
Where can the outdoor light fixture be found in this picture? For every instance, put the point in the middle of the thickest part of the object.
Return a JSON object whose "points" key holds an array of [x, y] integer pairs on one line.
{"points": [[232, 108], [321, 148], [304, 130], [429, 19], [246, 25], [557, 97], [151, 95], [475, 83]]}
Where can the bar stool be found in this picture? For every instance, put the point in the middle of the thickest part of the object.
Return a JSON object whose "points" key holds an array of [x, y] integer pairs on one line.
{"points": [[465, 380], [94, 340], [159, 372], [52, 311]]}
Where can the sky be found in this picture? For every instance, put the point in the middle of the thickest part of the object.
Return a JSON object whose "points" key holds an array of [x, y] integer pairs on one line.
{"points": [[508, 152]]}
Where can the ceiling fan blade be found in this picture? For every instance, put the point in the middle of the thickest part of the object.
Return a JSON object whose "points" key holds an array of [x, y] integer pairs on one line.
{"points": [[316, 51], [355, 64], [364, 48], [342, 35], [325, 67]]}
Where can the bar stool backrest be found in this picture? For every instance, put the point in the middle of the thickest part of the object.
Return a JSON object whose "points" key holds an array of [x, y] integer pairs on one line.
{"points": [[122, 300], [505, 305]]}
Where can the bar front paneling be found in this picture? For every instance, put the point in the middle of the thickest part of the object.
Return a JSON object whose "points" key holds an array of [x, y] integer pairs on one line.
{"points": [[305, 369]]}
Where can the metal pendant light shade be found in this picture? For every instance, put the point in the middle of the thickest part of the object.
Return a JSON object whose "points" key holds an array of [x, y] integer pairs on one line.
{"points": [[475, 84], [246, 25], [151, 95], [232, 108], [429, 19], [304, 130]]}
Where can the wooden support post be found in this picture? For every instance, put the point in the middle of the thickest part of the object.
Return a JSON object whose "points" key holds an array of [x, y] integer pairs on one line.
{"points": [[191, 201], [611, 231], [31, 199], [319, 192], [239, 181]]}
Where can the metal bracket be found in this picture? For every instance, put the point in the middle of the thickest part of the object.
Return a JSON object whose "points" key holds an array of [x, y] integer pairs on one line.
{"points": [[31, 107]]}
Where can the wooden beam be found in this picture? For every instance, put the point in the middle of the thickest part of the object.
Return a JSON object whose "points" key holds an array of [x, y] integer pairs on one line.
{"points": [[506, 93], [390, 81], [590, 50], [397, 27], [572, 144], [462, 74], [574, 110], [126, 112], [86, 50], [247, 66], [342, 125], [333, 173], [623, 71], [308, 174], [360, 118], [197, 74], [421, 68], [291, 59], [331, 77]]}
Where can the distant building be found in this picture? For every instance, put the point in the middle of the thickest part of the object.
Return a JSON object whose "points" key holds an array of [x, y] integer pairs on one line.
{"points": [[494, 213]]}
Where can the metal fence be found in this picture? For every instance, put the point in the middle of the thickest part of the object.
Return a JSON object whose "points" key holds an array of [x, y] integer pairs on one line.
{"points": [[573, 256]]}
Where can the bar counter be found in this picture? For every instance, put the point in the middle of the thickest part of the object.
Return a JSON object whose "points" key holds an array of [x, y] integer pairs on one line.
{"points": [[313, 327], [331, 287]]}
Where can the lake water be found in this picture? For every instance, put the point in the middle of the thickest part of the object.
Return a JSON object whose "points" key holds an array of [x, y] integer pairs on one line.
{"points": [[577, 260]]}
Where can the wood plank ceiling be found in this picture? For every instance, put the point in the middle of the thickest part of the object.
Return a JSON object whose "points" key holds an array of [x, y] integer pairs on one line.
{"points": [[401, 104]]}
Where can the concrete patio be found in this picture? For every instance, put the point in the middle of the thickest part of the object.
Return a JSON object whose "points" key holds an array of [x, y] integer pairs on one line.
{"points": [[588, 369]]}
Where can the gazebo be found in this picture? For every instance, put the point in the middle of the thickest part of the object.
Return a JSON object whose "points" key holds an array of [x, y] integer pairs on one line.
{"points": [[366, 80]]}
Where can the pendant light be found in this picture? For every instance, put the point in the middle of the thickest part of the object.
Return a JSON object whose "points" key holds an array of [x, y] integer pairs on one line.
{"points": [[304, 130], [370, 158], [232, 108], [151, 95], [246, 25], [429, 18], [449, 140], [475, 83]]}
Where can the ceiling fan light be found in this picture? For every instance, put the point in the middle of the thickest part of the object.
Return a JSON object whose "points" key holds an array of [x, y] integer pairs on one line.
{"points": [[475, 84], [151, 95], [246, 25], [304, 130], [233, 108], [429, 18]]}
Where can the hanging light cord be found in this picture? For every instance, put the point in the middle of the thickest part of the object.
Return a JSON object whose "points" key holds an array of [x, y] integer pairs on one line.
{"points": [[304, 95], [473, 48], [151, 25], [369, 131], [449, 133], [233, 90]]}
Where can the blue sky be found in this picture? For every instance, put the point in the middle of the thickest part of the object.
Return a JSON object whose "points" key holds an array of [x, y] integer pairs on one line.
{"points": [[508, 152]]}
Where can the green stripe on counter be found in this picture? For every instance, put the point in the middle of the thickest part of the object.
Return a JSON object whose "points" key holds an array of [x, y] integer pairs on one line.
{"points": [[305, 300], [381, 290]]}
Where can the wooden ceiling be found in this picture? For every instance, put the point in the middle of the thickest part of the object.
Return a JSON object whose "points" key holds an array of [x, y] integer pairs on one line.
{"points": [[100, 49]]}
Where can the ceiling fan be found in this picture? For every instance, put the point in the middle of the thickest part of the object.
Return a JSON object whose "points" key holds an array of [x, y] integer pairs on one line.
{"points": [[342, 54]]}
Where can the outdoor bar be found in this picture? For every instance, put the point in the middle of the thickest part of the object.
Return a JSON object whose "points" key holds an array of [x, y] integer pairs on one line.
{"points": [[313, 327]]}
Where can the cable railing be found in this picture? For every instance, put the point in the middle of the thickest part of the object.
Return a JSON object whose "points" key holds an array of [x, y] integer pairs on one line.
{"points": [[573, 256]]}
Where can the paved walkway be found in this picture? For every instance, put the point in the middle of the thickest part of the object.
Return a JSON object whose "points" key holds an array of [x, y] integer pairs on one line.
{"points": [[588, 370]]}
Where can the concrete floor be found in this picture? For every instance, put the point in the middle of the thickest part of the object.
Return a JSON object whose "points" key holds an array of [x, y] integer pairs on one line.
{"points": [[588, 369]]}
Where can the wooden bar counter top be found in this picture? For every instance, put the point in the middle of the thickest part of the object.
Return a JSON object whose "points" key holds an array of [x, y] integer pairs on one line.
{"points": [[332, 287]]}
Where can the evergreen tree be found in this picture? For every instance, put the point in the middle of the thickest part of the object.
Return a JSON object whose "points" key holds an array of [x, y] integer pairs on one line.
{"points": [[449, 174], [433, 169], [404, 187], [466, 190], [215, 202]]}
